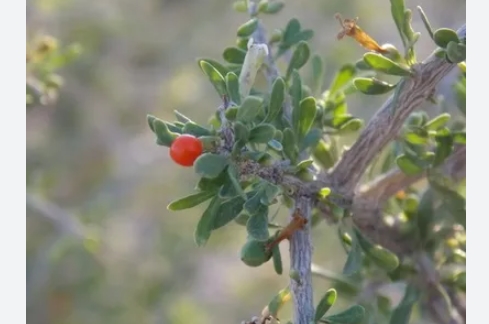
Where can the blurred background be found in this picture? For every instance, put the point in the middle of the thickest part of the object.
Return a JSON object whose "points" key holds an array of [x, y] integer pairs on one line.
{"points": [[101, 246]]}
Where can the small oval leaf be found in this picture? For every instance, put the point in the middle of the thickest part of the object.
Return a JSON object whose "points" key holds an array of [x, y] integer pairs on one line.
{"points": [[249, 109], [372, 86], [257, 225], [277, 260], [234, 55], [215, 77], [206, 222], [325, 304], [381, 256], [456, 52], [228, 211], [304, 117], [382, 64], [164, 136], [191, 200], [262, 133], [232, 86], [299, 58], [443, 36], [408, 165], [248, 28], [276, 99], [437, 122], [210, 165]]}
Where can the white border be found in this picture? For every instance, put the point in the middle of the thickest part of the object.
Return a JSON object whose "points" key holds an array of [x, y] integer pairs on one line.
{"points": [[12, 141]]}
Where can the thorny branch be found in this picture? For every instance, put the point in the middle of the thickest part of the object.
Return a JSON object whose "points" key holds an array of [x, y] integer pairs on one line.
{"points": [[300, 241], [345, 177]]}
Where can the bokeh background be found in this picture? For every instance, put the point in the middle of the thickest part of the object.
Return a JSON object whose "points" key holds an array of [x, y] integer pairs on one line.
{"points": [[101, 246]]}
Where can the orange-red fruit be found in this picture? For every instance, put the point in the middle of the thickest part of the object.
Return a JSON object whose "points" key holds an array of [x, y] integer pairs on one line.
{"points": [[185, 149]]}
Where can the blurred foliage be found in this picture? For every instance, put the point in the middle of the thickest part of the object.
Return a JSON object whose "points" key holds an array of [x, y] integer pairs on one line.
{"points": [[101, 246]]}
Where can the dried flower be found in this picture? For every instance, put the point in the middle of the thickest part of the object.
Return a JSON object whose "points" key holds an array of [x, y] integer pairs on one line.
{"points": [[350, 28]]}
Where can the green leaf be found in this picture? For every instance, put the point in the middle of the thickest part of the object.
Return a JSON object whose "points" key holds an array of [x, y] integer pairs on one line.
{"points": [[381, 256], [416, 135], [241, 132], [249, 109], [289, 144], [352, 125], [317, 73], [426, 22], [402, 313], [248, 28], [257, 225], [262, 133], [299, 58], [397, 11], [271, 192], [215, 77], [456, 52], [218, 66], [191, 201], [254, 254], [425, 214], [295, 92], [325, 304], [181, 117], [353, 315], [234, 55], [233, 177], [231, 113], [303, 116], [355, 259], [342, 78], [214, 185], [206, 222], [232, 86], [278, 301], [382, 64], [272, 7], [454, 202], [150, 119], [277, 98], [210, 165], [277, 260], [291, 30], [228, 211], [323, 155], [311, 139], [275, 145], [253, 204], [372, 86], [408, 165], [361, 65], [459, 137], [241, 5], [444, 147], [195, 129], [437, 122], [164, 136], [443, 36], [402, 18]]}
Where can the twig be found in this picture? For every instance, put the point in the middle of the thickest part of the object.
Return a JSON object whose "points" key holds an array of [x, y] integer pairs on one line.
{"points": [[65, 222], [388, 184], [300, 241], [300, 261], [385, 124]]}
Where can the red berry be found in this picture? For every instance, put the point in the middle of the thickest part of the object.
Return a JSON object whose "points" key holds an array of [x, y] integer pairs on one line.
{"points": [[185, 149]]}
